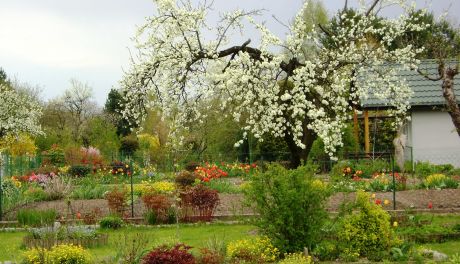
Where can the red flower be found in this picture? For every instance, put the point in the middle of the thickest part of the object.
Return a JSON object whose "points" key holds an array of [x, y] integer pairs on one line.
{"points": [[206, 179], [78, 215], [430, 205], [378, 202]]}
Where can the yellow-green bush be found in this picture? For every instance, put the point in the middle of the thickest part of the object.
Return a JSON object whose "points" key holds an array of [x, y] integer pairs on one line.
{"points": [[160, 187], [366, 231], [296, 258], [60, 254], [258, 250]]}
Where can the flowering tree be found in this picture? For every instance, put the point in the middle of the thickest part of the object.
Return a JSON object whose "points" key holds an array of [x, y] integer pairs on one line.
{"points": [[296, 95], [18, 113]]}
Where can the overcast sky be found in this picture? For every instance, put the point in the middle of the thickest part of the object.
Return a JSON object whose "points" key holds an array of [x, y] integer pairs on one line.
{"points": [[48, 42]]}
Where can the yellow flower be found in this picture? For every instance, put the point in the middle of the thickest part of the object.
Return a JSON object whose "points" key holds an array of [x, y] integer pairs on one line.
{"points": [[373, 196], [395, 224], [386, 202]]}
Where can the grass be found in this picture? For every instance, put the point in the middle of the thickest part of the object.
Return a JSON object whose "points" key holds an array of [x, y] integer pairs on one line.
{"points": [[449, 248], [196, 236]]}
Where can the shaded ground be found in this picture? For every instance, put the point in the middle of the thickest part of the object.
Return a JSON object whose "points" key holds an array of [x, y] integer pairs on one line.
{"points": [[232, 204]]}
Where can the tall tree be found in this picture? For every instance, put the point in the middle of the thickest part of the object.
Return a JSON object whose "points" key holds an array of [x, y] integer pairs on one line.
{"points": [[113, 107], [179, 70], [441, 41], [77, 100]]}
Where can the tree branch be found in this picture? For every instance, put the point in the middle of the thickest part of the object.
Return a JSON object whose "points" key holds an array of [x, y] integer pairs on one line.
{"points": [[372, 7]]}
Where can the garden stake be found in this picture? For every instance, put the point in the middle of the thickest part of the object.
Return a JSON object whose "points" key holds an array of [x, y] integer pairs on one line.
{"points": [[132, 189], [1, 189], [394, 183]]}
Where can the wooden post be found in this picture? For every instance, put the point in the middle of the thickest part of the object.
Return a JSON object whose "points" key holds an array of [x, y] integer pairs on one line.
{"points": [[356, 129], [366, 132]]}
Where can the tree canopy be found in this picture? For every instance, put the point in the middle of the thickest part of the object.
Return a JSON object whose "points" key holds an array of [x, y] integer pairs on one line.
{"points": [[294, 95]]}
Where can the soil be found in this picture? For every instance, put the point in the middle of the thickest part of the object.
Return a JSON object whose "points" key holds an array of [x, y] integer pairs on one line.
{"points": [[233, 204]]}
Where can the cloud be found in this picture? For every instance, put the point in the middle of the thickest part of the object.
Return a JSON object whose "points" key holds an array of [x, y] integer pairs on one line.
{"points": [[47, 39]]}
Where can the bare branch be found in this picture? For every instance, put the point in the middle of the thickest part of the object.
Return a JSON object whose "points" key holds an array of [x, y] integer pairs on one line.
{"points": [[424, 74], [372, 7]]}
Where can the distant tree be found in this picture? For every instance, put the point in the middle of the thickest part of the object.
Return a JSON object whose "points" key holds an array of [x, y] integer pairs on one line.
{"points": [[441, 42], [113, 107], [78, 102]]}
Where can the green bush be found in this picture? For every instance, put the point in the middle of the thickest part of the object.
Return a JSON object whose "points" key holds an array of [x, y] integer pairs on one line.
{"points": [[30, 217], [296, 258], [79, 170], [151, 217], [291, 206], [365, 231], [88, 192], [129, 145], [111, 222], [60, 254], [326, 250]]}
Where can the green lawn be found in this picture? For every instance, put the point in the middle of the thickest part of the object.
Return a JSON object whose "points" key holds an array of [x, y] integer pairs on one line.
{"points": [[450, 248], [195, 236]]}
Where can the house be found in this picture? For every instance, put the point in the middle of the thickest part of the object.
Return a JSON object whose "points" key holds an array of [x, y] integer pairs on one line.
{"points": [[431, 135]]}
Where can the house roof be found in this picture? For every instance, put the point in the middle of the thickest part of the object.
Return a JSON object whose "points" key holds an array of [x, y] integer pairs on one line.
{"points": [[426, 92]]}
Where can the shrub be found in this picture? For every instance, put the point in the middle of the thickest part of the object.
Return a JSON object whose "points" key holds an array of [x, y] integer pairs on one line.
{"points": [[111, 222], [201, 199], [60, 254], [185, 178], [79, 170], [129, 145], [157, 204], [291, 206], [131, 247], [208, 256], [159, 187], [326, 250], [30, 217], [54, 156], [178, 254], [366, 231], [35, 194], [117, 200], [57, 188], [88, 192], [258, 250], [296, 258]]}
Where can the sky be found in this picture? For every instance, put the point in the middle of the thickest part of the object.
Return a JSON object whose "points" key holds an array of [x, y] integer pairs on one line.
{"points": [[46, 43]]}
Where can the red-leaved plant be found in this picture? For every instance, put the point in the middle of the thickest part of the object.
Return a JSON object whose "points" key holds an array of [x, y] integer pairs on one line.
{"points": [[179, 254], [201, 200], [117, 200], [157, 203]]}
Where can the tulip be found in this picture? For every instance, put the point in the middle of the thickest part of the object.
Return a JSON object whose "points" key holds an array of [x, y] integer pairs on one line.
{"points": [[395, 224], [430, 205]]}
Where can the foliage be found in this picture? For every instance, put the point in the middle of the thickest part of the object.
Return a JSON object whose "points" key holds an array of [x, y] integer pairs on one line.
{"points": [[60, 254], [157, 204], [131, 247], [291, 206], [208, 256], [178, 254], [159, 187], [113, 107], [79, 170], [111, 222], [54, 156], [439, 181], [296, 258], [326, 250], [257, 250], [19, 145], [362, 168], [19, 113], [129, 145], [88, 191], [366, 232], [117, 200], [202, 200], [424, 169], [101, 134], [57, 188], [30, 217], [223, 186], [185, 178]]}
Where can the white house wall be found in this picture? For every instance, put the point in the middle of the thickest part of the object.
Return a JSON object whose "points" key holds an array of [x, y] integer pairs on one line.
{"points": [[433, 138]]}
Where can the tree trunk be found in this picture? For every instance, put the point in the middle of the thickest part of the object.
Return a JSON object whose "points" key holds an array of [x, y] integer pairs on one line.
{"points": [[298, 154], [449, 95]]}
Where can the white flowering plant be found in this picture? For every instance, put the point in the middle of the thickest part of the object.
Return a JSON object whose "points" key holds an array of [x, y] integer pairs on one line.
{"points": [[296, 94]]}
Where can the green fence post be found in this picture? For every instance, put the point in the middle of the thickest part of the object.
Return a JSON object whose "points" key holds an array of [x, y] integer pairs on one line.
{"points": [[1, 188], [132, 186], [394, 182]]}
